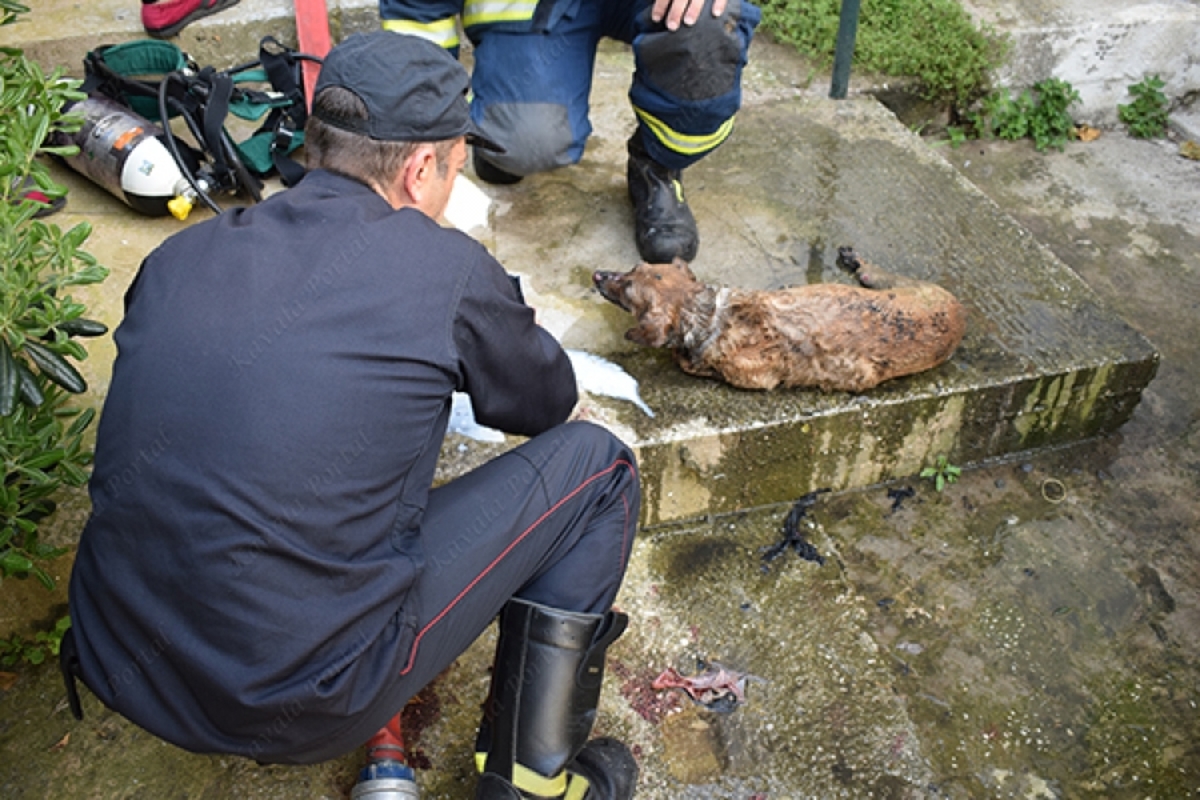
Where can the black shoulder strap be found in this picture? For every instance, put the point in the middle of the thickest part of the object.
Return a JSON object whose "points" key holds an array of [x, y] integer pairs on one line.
{"points": [[282, 66], [283, 72]]}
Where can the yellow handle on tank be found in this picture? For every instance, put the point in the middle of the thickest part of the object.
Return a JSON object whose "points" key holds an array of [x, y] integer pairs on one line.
{"points": [[180, 207]]}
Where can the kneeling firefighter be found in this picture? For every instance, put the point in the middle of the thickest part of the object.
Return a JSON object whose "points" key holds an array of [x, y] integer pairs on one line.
{"points": [[268, 570], [533, 76]]}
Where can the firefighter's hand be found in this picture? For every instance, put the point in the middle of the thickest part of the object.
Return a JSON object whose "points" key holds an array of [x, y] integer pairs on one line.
{"points": [[672, 12]]}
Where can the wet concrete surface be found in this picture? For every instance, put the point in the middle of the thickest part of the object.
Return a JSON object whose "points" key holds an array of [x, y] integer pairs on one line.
{"points": [[1033, 631], [1045, 362]]}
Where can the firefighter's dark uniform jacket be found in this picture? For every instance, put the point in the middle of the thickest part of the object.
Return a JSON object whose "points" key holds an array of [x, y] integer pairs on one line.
{"points": [[533, 64], [267, 445]]}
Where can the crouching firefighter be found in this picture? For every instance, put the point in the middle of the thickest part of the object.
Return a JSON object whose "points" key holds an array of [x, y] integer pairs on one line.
{"points": [[533, 75], [266, 570]]}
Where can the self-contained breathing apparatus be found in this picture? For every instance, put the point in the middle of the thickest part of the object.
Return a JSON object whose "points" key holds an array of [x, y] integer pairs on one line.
{"points": [[127, 143]]}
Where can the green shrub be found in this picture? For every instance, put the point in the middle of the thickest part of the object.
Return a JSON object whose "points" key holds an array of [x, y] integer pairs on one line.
{"points": [[934, 41], [1146, 116], [41, 436], [1041, 114]]}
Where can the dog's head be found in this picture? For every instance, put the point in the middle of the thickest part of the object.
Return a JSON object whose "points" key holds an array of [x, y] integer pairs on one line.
{"points": [[654, 294]]}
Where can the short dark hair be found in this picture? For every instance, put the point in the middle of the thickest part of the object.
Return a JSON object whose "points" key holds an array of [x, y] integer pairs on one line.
{"points": [[355, 155]]}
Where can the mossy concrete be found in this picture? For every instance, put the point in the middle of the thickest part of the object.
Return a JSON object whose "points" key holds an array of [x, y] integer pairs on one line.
{"points": [[1018, 650]]}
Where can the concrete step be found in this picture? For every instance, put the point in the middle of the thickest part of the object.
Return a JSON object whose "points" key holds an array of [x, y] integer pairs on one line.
{"points": [[61, 32], [1044, 363]]}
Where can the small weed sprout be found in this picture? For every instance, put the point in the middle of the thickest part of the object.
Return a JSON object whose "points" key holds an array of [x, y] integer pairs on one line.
{"points": [[33, 651], [1146, 116], [942, 473]]}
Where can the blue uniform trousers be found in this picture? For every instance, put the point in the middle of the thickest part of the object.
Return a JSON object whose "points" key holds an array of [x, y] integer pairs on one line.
{"points": [[534, 63]]}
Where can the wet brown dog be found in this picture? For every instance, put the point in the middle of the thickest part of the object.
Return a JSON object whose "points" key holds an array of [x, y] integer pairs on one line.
{"points": [[829, 336]]}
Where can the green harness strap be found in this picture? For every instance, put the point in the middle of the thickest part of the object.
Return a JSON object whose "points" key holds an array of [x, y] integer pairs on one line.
{"points": [[132, 71]]}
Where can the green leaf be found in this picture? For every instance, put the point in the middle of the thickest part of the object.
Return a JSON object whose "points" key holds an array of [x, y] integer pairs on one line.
{"points": [[43, 578], [81, 422], [82, 327], [73, 349], [55, 367], [9, 380], [31, 393], [72, 475], [45, 459], [43, 550], [78, 235], [13, 563]]}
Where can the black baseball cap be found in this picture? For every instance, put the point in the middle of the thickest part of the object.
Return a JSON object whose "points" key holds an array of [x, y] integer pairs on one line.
{"points": [[413, 89]]}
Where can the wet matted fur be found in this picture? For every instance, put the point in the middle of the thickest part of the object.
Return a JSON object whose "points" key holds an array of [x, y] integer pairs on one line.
{"points": [[829, 336]]}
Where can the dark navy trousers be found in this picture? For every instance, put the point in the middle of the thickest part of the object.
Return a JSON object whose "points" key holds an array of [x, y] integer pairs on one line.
{"points": [[551, 521]]}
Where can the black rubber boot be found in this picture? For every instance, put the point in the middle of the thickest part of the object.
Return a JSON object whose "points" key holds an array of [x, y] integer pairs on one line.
{"points": [[545, 687], [488, 172], [664, 227]]}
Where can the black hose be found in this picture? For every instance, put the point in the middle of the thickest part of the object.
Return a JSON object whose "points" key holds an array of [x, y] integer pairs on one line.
{"points": [[173, 146], [228, 149]]}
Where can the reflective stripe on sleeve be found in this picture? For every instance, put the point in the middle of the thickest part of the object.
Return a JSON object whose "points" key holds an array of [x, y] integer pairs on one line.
{"points": [[483, 12], [441, 32]]}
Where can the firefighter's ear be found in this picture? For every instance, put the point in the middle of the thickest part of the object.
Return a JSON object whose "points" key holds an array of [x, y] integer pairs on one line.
{"points": [[419, 172]]}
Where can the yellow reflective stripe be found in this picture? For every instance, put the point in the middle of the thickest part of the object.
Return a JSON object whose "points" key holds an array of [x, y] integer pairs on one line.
{"points": [[682, 142], [531, 782], [441, 32], [578, 789], [482, 12]]}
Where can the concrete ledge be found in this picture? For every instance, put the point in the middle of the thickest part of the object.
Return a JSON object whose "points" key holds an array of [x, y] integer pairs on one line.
{"points": [[1044, 363]]}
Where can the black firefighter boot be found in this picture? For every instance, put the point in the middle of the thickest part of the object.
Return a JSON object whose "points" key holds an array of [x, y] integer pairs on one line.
{"points": [[664, 227], [488, 172], [545, 687]]}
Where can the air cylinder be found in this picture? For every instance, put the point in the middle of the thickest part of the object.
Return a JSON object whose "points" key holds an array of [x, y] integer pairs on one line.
{"points": [[119, 150]]}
